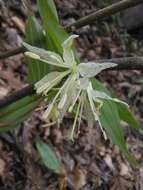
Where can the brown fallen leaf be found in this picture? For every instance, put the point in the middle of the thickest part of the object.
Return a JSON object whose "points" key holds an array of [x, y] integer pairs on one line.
{"points": [[63, 183], [2, 167], [63, 179], [13, 81], [79, 178], [108, 160], [124, 170], [120, 183], [3, 92]]}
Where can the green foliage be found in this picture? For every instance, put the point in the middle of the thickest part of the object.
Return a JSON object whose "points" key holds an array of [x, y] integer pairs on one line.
{"points": [[110, 121], [127, 116], [11, 116], [55, 34], [111, 114], [35, 36], [124, 113], [48, 157]]}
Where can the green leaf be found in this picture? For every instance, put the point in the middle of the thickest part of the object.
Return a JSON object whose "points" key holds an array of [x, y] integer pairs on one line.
{"points": [[7, 126], [35, 36], [127, 116], [48, 157], [99, 86], [55, 34], [110, 121], [11, 116], [49, 9]]}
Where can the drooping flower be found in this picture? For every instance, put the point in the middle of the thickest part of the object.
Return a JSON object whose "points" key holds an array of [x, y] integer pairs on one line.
{"points": [[75, 92]]}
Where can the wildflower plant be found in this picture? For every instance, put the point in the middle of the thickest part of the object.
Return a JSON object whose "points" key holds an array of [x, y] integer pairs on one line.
{"points": [[74, 88], [66, 85]]}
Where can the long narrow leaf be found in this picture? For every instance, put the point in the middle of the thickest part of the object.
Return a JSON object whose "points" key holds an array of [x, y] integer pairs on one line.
{"points": [[125, 114], [11, 116], [55, 34], [110, 121], [35, 36]]}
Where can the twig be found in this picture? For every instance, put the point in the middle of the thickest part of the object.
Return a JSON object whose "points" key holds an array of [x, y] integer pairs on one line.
{"points": [[105, 12], [95, 16], [127, 63], [26, 91], [12, 52]]}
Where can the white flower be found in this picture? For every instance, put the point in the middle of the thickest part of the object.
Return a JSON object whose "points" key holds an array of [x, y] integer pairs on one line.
{"points": [[75, 93]]}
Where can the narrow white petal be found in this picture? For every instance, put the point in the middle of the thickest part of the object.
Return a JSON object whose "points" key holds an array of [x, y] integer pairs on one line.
{"points": [[68, 54], [83, 83], [69, 41], [91, 69], [49, 57], [49, 81], [32, 55], [90, 97], [48, 111], [102, 95], [62, 101]]}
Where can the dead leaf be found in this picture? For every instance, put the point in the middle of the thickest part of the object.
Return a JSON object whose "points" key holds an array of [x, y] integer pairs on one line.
{"points": [[63, 183], [13, 81], [3, 92], [2, 167], [124, 170], [79, 178], [120, 183], [109, 162]]}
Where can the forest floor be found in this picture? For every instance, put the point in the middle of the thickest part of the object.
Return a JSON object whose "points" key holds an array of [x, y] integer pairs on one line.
{"points": [[90, 162]]}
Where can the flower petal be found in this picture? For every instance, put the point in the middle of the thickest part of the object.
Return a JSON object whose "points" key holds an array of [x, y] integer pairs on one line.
{"points": [[67, 93], [92, 105], [49, 81], [48, 111], [83, 83], [90, 69], [102, 95], [68, 54], [49, 57]]}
